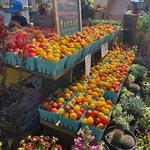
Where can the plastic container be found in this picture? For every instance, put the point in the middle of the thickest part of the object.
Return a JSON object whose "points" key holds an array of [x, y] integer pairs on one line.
{"points": [[12, 58], [31, 64], [110, 146], [50, 68], [72, 125], [98, 133], [110, 96], [88, 49], [73, 58], [48, 116], [66, 100]]}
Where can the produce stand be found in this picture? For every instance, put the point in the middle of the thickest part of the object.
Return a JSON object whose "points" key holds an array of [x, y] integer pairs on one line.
{"points": [[75, 84]]}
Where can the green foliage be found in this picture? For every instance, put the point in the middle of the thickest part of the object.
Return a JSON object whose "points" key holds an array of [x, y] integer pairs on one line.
{"points": [[133, 105], [142, 23], [125, 93], [146, 83], [119, 116], [143, 142], [131, 78], [144, 122], [117, 111], [137, 70], [142, 28]]}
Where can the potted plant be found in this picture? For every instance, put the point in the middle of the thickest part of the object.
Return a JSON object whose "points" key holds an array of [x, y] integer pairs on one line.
{"points": [[134, 106], [144, 122], [119, 138], [125, 93], [39, 143], [130, 83], [119, 115]]}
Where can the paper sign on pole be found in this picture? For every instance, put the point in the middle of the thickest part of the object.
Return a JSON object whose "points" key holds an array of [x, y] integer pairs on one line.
{"points": [[104, 49], [88, 64]]}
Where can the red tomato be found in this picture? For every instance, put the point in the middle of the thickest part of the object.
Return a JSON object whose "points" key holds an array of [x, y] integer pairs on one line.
{"points": [[97, 120], [45, 105], [109, 102], [53, 110], [79, 114], [80, 103], [88, 113], [82, 110], [105, 120], [55, 105], [95, 114], [59, 104]]}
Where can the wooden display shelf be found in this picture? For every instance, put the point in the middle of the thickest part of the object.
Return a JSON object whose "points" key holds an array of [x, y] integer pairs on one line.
{"points": [[46, 75], [59, 129]]}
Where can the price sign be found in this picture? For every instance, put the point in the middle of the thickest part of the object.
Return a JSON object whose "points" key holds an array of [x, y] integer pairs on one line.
{"points": [[104, 49], [88, 64], [68, 16]]}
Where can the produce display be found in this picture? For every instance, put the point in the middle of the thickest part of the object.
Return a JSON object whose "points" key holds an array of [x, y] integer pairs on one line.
{"points": [[51, 47], [111, 103], [85, 100]]}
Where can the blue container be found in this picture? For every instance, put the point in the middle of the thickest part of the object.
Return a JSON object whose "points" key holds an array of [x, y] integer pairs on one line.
{"points": [[50, 68], [48, 116], [73, 58], [111, 96], [72, 125], [12, 58], [101, 42], [31, 64], [98, 133], [88, 49]]}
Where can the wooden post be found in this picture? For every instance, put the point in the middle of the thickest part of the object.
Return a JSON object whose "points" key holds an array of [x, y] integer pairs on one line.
{"points": [[129, 34]]}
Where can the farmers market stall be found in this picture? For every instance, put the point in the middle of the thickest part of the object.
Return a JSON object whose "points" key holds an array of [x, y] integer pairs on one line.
{"points": [[76, 87]]}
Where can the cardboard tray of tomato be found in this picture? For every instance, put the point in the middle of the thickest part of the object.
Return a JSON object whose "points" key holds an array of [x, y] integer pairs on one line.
{"points": [[69, 124], [13, 59], [111, 96], [73, 58], [82, 105], [98, 133], [50, 68], [51, 116], [54, 98]]}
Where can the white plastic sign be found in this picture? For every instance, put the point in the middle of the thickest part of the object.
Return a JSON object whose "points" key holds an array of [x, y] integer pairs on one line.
{"points": [[88, 64], [104, 49]]}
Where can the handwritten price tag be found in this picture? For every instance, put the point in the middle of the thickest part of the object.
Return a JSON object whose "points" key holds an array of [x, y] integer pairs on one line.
{"points": [[104, 49], [88, 64]]}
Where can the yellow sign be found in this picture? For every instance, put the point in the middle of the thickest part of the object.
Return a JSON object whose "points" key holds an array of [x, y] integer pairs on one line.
{"points": [[12, 76]]}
